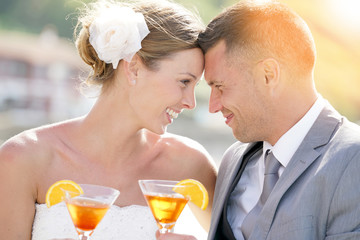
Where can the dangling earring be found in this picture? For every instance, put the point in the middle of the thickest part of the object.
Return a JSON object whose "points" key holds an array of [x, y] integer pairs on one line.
{"points": [[133, 82]]}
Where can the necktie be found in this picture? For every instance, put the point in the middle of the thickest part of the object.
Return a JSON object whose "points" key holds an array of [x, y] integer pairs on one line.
{"points": [[224, 230], [271, 176]]}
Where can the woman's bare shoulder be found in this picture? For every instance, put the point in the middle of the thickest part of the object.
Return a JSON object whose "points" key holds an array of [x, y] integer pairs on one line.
{"points": [[29, 146], [180, 143], [188, 152], [19, 151], [22, 163]]}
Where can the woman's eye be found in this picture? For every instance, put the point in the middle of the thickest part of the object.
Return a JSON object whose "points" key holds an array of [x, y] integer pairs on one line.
{"points": [[185, 82]]}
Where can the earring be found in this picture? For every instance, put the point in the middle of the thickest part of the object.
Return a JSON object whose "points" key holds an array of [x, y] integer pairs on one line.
{"points": [[132, 81]]}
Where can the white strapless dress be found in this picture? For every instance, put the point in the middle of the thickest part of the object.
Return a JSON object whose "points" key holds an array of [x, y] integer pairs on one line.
{"points": [[120, 223]]}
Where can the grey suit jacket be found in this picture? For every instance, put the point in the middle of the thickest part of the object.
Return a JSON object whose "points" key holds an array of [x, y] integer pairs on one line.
{"points": [[318, 194]]}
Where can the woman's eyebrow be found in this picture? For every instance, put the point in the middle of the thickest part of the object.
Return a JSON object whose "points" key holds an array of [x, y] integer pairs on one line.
{"points": [[190, 74]]}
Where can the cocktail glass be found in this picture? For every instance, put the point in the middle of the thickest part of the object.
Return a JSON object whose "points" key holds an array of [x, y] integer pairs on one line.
{"points": [[165, 204], [88, 209]]}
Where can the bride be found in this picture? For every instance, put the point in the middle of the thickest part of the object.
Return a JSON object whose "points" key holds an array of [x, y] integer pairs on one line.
{"points": [[145, 58]]}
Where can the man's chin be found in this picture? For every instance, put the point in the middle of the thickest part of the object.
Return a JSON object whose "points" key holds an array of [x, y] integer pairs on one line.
{"points": [[241, 137]]}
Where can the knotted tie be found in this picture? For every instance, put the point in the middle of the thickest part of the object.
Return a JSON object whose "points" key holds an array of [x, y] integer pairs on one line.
{"points": [[271, 176]]}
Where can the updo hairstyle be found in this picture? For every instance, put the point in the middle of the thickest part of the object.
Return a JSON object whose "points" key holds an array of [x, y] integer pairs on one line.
{"points": [[172, 28]]}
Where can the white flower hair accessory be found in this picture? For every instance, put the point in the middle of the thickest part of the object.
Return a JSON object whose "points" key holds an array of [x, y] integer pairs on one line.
{"points": [[116, 33]]}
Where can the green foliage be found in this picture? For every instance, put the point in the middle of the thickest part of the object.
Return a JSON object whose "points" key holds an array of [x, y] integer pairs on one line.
{"points": [[207, 9], [34, 15]]}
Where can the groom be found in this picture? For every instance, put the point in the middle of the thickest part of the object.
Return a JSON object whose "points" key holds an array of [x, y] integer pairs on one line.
{"points": [[259, 63]]}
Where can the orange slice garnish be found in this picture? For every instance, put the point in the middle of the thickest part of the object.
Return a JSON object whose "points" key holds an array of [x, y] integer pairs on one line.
{"points": [[55, 193], [195, 190]]}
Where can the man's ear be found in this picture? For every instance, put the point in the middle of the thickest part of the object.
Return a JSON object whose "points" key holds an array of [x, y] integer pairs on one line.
{"points": [[132, 69], [271, 70]]}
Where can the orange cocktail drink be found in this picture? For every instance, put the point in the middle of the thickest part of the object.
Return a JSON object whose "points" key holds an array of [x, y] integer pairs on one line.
{"points": [[166, 208], [86, 213], [166, 205], [87, 209]]}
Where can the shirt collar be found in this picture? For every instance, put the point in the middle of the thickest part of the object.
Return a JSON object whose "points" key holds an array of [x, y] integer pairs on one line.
{"points": [[287, 145]]}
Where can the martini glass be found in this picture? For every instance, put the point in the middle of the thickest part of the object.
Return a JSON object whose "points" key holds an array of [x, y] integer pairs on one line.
{"points": [[88, 209], [165, 204]]}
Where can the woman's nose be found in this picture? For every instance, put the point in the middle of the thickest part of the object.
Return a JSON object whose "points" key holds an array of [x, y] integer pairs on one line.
{"points": [[189, 100]]}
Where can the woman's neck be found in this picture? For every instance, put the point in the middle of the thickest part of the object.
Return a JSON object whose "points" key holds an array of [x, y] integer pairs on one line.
{"points": [[110, 132]]}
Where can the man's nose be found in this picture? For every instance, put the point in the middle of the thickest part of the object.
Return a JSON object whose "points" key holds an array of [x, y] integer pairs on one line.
{"points": [[215, 102]]}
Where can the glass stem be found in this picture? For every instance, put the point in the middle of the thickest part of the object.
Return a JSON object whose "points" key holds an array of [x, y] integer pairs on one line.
{"points": [[84, 235], [166, 227]]}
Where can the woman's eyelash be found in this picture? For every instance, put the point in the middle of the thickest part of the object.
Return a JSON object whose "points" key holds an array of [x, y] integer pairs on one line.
{"points": [[185, 81]]}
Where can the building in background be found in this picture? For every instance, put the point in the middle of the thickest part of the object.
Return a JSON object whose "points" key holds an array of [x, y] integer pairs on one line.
{"points": [[38, 79]]}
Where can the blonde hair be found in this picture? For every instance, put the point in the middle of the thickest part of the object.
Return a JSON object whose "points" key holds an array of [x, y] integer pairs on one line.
{"points": [[172, 28]]}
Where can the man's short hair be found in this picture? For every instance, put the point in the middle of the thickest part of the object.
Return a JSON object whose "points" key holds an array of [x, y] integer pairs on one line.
{"points": [[264, 29]]}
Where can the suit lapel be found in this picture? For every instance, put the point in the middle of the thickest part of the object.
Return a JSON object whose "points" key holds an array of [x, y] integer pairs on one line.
{"points": [[223, 185], [222, 188], [229, 175], [319, 135]]}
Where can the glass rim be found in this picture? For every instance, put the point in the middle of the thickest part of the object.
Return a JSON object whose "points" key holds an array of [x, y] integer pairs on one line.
{"points": [[95, 185], [153, 186], [82, 185], [160, 182]]}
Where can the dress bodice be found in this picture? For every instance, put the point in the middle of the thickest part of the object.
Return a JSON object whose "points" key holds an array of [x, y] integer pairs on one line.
{"points": [[131, 222]]}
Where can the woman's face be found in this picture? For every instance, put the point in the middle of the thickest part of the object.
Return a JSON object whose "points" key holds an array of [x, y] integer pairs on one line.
{"points": [[160, 95]]}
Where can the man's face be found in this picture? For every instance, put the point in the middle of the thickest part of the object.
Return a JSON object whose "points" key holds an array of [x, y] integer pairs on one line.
{"points": [[234, 91]]}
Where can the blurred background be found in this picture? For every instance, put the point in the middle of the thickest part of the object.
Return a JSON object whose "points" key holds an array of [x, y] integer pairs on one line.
{"points": [[40, 68]]}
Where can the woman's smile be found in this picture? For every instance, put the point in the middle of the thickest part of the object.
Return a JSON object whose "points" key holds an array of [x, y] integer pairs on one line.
{"points": [[172, 114]]}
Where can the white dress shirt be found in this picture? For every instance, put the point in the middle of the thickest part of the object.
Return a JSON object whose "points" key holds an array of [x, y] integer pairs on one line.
{"points": [[248, 190]]}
